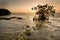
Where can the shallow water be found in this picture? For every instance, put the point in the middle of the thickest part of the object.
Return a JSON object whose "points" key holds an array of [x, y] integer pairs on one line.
{"points": [[12, 29]]}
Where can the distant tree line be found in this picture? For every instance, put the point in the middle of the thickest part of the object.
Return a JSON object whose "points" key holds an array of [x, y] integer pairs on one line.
{"points": [[4, 12]]}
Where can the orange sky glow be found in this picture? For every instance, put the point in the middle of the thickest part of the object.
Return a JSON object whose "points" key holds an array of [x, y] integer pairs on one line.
{"points": [[25, 6]]}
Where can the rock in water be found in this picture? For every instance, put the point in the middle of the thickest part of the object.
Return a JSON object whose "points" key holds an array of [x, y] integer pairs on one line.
{"points": [[4, 12], [28, 32], [19, 18]]}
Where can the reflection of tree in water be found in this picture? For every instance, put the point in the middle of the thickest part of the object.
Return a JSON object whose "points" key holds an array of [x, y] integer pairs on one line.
{"points": [[43, 12]]}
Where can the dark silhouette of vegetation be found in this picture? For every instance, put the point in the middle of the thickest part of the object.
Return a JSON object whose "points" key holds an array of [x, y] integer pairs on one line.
{"points": [[44, 11], [4, 12]]}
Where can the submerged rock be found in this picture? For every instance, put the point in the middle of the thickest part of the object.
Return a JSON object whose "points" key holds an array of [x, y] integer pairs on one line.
{"points": [[20, 18], [5, 18], [27, 26], [28, 32], [13, 17]]}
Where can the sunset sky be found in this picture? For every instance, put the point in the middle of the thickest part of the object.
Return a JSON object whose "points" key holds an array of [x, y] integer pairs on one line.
{"points": [[18, 6]]}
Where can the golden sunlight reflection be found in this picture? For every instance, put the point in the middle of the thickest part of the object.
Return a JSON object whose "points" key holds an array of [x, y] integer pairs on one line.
{"points": [[33, 11]]}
